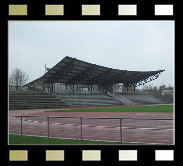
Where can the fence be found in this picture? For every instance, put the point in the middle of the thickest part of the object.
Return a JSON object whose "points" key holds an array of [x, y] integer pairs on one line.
{"points": [[139, 92], [119, 122], [78, 92]]}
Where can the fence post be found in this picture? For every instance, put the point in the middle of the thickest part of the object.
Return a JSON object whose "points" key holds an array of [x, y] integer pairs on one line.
{"points": [[121, 130], [21, 126], [81, 131], [48, 126]]}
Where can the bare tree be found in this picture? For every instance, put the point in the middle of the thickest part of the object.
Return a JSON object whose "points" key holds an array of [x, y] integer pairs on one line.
{"points": [[18, 78]]}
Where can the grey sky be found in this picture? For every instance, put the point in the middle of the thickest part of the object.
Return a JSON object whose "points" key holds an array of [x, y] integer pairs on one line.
{"points": [[125, 45]]}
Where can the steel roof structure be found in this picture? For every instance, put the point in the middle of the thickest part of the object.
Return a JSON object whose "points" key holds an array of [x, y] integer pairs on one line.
{"points": [[74, 71]]}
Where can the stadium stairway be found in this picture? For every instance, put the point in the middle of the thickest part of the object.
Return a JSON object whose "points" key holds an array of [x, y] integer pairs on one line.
{"points": [[121, 98], [34, 100], [79, 100]]}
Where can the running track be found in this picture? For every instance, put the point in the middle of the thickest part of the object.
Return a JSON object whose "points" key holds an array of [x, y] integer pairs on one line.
{"points": [[136, 131]]}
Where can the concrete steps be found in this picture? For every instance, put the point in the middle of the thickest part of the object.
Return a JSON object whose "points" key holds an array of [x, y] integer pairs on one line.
{"points": [[165, 98], [19, 101], [89, 100], [143, 99], [121, 98]]}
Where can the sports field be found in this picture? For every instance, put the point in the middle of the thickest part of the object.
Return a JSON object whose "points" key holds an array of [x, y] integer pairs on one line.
{"points": [[154, 108], [65, 125]]}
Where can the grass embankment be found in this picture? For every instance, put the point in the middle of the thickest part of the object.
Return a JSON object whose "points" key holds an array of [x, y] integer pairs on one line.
{"points": [[33, 140], [155, 108]]}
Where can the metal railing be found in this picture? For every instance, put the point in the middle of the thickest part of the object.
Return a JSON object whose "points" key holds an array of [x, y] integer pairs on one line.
{"points": [[78, 92], [138, 92], [81, 122]]}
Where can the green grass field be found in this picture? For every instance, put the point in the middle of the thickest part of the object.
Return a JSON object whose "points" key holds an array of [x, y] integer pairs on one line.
{"points": [[155, 108], [33, 140]]}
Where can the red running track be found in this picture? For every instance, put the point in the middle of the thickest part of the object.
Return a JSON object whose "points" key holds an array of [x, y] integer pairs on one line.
{"points": [[136, 131]]}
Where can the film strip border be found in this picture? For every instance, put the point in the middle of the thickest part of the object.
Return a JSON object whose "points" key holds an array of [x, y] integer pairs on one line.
{"points": [[91, 10], [96, 9], [89, 155]]}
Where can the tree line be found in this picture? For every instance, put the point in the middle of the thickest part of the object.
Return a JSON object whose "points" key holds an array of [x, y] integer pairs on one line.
{"points": [[150, 87]]}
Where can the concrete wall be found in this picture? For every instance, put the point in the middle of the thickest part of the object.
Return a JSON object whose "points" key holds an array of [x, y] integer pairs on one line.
{"points": [[117, 87]]}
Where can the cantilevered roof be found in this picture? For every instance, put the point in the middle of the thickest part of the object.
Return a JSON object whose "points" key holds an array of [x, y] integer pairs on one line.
{"points": [[74, 71]]}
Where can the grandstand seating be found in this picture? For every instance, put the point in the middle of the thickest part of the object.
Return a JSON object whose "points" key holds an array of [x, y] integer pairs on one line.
{"points": [[41, 100], [34, 100], [79, 100], [168, 98], [139, 99]]}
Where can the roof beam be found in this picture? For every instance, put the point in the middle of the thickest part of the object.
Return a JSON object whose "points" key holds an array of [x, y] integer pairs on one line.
{"points": [[63, 71], [81, 76], [101, 76], [71, 70]]}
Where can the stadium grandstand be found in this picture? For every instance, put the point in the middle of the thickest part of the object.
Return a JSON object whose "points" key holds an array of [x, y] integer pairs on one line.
{"points": [[75, 83]]}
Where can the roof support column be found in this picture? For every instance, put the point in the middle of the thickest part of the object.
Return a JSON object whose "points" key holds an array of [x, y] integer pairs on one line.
{"points": [[51, 88], [106, 89], [73, 88], [54, 88]]}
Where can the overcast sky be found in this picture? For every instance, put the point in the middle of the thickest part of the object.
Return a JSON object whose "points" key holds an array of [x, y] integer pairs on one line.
{"points": [[125, 45]]}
